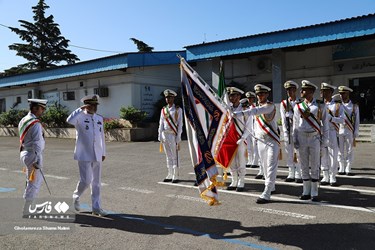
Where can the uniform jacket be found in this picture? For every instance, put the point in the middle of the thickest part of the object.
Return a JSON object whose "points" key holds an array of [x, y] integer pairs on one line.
{"points": [[301, 124], [286, 112], [90, 140], [33, 140], [335, 114], [175, 113], [349, 108]]}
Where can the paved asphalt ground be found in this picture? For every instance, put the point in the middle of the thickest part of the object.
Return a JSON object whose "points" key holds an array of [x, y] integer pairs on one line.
{"points": [[148, 214]]}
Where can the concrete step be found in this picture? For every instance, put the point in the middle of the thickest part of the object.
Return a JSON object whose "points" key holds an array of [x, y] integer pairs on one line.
{"points": [[366, 133]]}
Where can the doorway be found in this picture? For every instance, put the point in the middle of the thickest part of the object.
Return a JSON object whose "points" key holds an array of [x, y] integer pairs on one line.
{"points": [[364, 95]]}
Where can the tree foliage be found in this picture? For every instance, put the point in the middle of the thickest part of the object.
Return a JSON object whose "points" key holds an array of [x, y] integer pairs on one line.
{"points": [[44, 45], [141, 46]]}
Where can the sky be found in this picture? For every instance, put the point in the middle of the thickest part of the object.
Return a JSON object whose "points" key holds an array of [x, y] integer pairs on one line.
{"points": [[166, 25]]}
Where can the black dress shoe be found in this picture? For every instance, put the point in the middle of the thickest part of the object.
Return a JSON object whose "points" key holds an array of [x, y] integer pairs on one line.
{"points": [[254, 166], [334, 184], [299, 181], [289, 180], [324, 183], [231, 188], [240, 189], [262, 201], [248, 165], [349, 174], [259, 176], [305, 197], [167, 180], [315, 198], [341, 173], [195, 184], [174, 181]]}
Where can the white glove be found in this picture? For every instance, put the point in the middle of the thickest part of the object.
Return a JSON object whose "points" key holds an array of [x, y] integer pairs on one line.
{"points": [[286, 137], [240, 141]]}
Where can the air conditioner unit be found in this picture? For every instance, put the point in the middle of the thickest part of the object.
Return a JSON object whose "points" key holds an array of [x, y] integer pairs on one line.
{"points": [[264, 64], [69, 96], [33, 94], [101, 92]]}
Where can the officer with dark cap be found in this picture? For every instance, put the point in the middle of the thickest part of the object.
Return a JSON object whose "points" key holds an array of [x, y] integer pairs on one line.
{"points": [[90, 151]]}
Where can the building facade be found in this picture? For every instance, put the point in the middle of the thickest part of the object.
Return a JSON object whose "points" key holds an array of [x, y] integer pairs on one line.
{"points": [[340, 53], [131, 79]]}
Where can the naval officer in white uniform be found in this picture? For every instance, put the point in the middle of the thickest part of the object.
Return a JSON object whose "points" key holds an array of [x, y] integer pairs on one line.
{"points": [[31, 148], [90, 151]]}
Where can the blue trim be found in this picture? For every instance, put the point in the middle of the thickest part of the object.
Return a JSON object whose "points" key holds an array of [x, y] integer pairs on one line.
{"points": [[332, 31], [116, 62], [6, 190]]}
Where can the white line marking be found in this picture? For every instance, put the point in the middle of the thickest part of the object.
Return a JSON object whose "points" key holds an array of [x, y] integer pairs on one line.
{"points": [[4, 169], [283, 213], [323, 204], [56, 177], [143, 191], [300, 185], [18, 171], [184, 197]]}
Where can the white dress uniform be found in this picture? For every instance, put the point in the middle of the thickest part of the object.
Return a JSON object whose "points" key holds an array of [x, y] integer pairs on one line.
{"points": [[169, 134], [348, 132], [89, 150], [335, 114], [32, 145], [238, 163], [252, 144], [266, 130], [310, 125], [286, 113]]}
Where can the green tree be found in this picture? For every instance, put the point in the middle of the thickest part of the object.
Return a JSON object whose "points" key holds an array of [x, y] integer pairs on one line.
{"points": [[141, 46], [45, 47]]}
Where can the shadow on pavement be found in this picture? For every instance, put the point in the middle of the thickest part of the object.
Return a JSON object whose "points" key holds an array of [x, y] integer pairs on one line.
{"points": [[307, 236]]}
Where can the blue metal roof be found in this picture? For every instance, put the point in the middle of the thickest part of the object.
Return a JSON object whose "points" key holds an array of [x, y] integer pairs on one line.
{"points": [[320, 33], [121, 61]]}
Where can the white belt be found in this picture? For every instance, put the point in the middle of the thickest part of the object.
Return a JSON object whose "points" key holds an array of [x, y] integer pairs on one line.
{"points": [[169, 132]]}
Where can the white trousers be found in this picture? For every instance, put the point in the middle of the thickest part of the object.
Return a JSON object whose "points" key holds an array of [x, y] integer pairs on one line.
{"points": [[252, 151], [90, 174], [346, 149], [238, 165], [32, 187], [309, 152], [269, 157], [170, 149], [330, 154]]}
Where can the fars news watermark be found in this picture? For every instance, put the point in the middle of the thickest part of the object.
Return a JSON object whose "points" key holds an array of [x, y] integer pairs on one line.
{"points": [[43, 215]]}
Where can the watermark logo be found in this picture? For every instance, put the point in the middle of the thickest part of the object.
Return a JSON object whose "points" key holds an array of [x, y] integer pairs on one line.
{"points": [[46, 207]]}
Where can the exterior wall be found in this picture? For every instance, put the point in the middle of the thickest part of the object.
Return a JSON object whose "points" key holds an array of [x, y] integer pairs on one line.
{"points": [[139, 87]]}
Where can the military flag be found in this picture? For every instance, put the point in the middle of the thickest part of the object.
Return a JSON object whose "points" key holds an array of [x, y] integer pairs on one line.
{"points": [[202, 130]]}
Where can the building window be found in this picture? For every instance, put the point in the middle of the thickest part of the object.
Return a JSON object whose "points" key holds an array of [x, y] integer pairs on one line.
{"points": [[2, 105]]}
